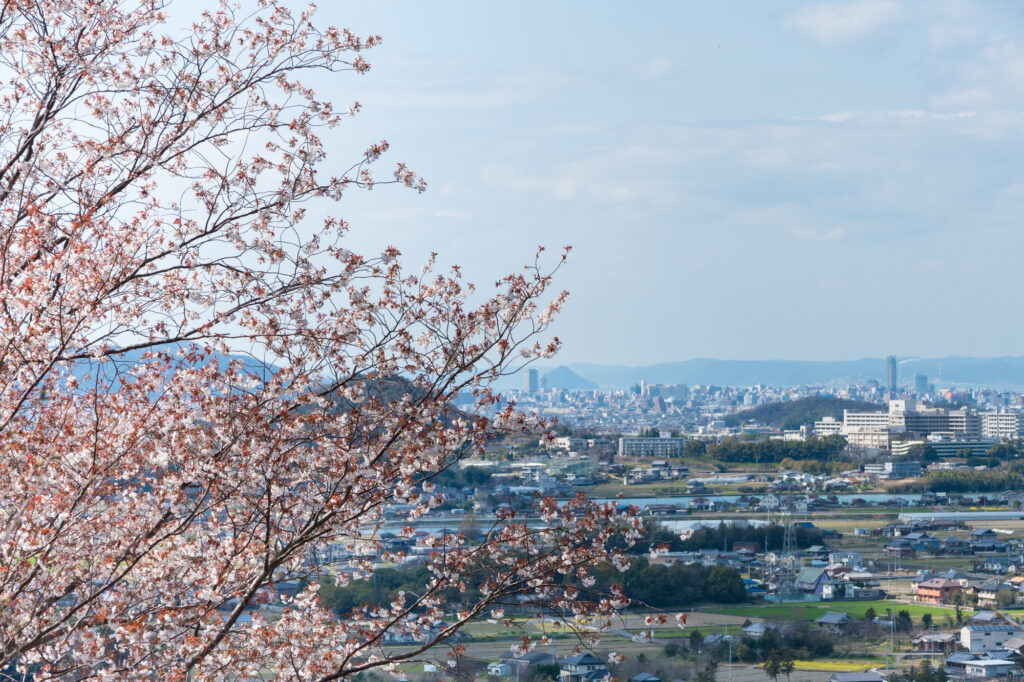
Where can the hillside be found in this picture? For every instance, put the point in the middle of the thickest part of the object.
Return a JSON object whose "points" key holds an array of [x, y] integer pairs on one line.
{"points": [[564, 378], [794, 414]]}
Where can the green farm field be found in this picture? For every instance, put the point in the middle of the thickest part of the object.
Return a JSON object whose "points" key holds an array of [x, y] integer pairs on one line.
{"points": [[855, 609]]}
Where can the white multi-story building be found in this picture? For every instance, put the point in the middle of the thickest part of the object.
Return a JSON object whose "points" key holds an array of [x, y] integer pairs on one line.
{"points": [[870, 430], [651, 447], [877, 439], [977, 638], [999, 425], [828, 426], [567, 443], [875, 429], [859, 421], [851, 559], [893, 469]]}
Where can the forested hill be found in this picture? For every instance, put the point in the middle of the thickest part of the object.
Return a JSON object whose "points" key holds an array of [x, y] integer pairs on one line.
{"points": [[792, 415]]}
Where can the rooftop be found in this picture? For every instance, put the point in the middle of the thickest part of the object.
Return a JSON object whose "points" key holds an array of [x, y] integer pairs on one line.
{"points": [[833, 617]]}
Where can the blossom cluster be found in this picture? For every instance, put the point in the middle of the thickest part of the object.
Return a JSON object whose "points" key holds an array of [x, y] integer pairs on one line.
{"points": [[201, 388]]}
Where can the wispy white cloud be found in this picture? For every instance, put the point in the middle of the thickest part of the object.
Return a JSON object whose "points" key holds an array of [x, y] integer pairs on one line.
{"points": [[811, 234], [975, 97], [839, 116], [838, 23], [933, 265], [505, 90], [634, 172], [953, 24], [791, 219], [661, 67], [409, 213]]}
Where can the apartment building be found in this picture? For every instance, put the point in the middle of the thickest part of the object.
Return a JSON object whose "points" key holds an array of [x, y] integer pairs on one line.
{"points": [[651, 447], [999, 425]]}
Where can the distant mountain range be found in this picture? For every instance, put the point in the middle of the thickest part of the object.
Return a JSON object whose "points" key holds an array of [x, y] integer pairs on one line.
{"points": [[1005, 372], [952, 371], [563, 377], [796, 413]]}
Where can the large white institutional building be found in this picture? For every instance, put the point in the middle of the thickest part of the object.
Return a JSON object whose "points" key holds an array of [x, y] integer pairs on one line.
{"points": [[906, 419]]}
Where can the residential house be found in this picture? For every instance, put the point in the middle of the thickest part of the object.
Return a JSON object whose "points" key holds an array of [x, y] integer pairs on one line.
{"points": [[956, 547], [750, 545], [956, 663], [809, 506], [851, 559], [896, 530], [581, 667], [754, 588], [499, 669], [817, 552], [984, 617], [1015, 644], [530, 659], [996, 564], [945, 642], [662, 509], [755, 630], [922, 542], [715, 639], [836, 588], [938, 590], [833, 621], [811, 580], [959, 576], [988, 669], [988, 593], [644, 677], [900, 547], [993, 546]]}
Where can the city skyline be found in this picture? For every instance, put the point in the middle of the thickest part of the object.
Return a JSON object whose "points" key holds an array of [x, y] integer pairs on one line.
{"points": [[786, 183], [911, 373]]}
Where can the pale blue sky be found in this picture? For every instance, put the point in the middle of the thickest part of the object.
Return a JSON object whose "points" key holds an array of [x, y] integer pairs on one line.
{"points": [[739, 180]]}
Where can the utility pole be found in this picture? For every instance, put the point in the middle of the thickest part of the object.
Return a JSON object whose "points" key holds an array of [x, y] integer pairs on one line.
{"points": [[888, 642], [729, 638], [892, 633]]}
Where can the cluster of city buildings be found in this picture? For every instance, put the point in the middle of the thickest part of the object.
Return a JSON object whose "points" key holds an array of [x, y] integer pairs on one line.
{"points": [[967, 415]]}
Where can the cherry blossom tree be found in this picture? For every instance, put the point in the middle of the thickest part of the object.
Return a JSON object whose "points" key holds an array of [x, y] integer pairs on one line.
{"points": [[201, 388]]}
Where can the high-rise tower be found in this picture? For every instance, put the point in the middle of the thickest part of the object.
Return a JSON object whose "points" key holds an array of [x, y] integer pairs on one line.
{"points": [[891, 371], [530, 382]]}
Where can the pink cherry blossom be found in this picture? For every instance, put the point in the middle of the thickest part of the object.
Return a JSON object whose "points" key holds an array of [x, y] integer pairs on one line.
{"points": [[202, 389]]}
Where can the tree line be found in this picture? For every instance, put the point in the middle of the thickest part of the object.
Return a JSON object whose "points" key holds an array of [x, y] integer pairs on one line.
{"points": [[654, 585], [796, 413], [823, 448], [801, 642], [963, 482], [722, 537]]}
